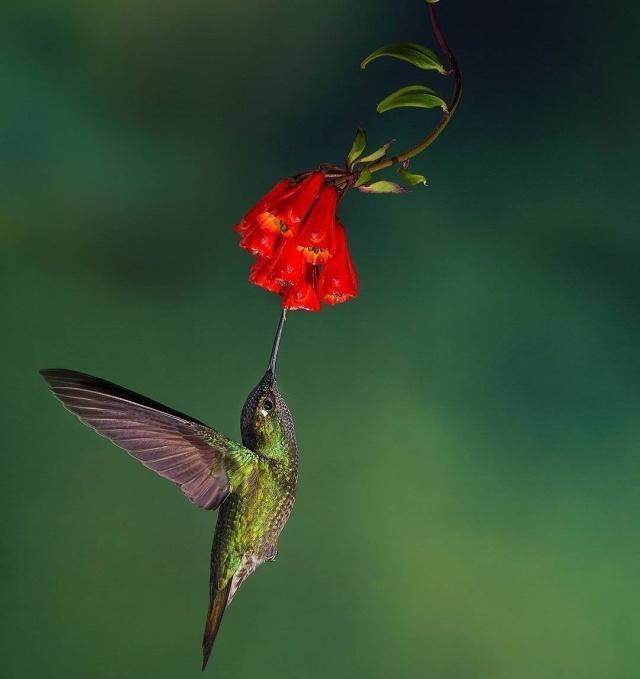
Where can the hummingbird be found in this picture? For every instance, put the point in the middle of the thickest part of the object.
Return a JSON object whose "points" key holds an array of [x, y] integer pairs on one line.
{"points": [[252, 484]]}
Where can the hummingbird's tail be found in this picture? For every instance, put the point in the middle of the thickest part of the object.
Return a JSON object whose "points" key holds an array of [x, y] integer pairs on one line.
{"points": [[217, 607]]}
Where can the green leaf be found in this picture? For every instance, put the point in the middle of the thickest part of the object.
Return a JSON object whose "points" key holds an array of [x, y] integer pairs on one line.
{"points": [[383, 187], [364, 177], [412, 179], [376, 155], [418, 96], [358, 146], [415, 54]]}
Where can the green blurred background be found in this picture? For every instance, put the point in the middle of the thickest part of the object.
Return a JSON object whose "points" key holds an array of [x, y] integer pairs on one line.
{"points": [[468, 501]]}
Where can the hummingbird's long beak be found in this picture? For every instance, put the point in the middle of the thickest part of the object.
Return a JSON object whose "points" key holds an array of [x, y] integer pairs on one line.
{"points": [[276, 344]]}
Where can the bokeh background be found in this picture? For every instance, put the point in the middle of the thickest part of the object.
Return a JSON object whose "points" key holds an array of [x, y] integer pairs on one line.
{"points": [[469, 493]]}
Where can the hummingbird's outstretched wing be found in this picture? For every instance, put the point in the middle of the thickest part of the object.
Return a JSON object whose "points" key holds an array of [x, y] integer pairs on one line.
{"points": [[205, 464]]}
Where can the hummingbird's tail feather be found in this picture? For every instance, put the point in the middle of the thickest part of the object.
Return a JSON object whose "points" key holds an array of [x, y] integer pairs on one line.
{"points": [[217, 606]]}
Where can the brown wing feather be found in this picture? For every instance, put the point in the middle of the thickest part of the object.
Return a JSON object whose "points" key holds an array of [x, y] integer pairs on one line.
{"points": [[172, 444]]}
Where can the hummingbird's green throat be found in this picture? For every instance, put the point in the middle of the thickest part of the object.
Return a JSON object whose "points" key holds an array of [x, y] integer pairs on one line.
{"points": [[253, 484]]}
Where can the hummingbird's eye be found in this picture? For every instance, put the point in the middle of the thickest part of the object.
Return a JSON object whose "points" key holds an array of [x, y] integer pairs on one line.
{"points": [[268, 404]]}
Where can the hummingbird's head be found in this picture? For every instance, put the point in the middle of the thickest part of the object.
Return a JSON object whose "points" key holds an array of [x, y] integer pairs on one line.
{"points": [[266, 422], [266, 419]]}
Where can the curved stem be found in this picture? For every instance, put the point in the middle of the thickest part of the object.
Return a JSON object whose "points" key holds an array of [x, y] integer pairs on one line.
{"points": [[446, 116]]}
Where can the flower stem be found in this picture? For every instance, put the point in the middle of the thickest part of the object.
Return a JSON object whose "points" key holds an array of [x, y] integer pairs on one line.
{"points": [[446, 116]]}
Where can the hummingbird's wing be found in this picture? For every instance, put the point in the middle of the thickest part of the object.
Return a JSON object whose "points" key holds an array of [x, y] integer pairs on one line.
{"points": [[205, 464]]}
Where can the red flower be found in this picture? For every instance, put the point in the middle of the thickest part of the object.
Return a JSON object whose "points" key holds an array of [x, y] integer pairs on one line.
{"points": [[259, 275], [289, 266], [337, 281], [301, 249], [249, 220], [303, 296], [317, 236], [288, 210], [257, 241]]}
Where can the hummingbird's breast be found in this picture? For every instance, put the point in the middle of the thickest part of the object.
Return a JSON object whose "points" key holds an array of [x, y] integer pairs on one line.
{"points": [[249, 524], [268, 507]]}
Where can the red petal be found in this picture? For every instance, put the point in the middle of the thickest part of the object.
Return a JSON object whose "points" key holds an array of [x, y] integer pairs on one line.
{"points": [[292, 209], [319, 227], [338, 281], [289, 265], [317, 237], [249, 220], [242, 226], [302, 296], [259, 275], [259, 242]]}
